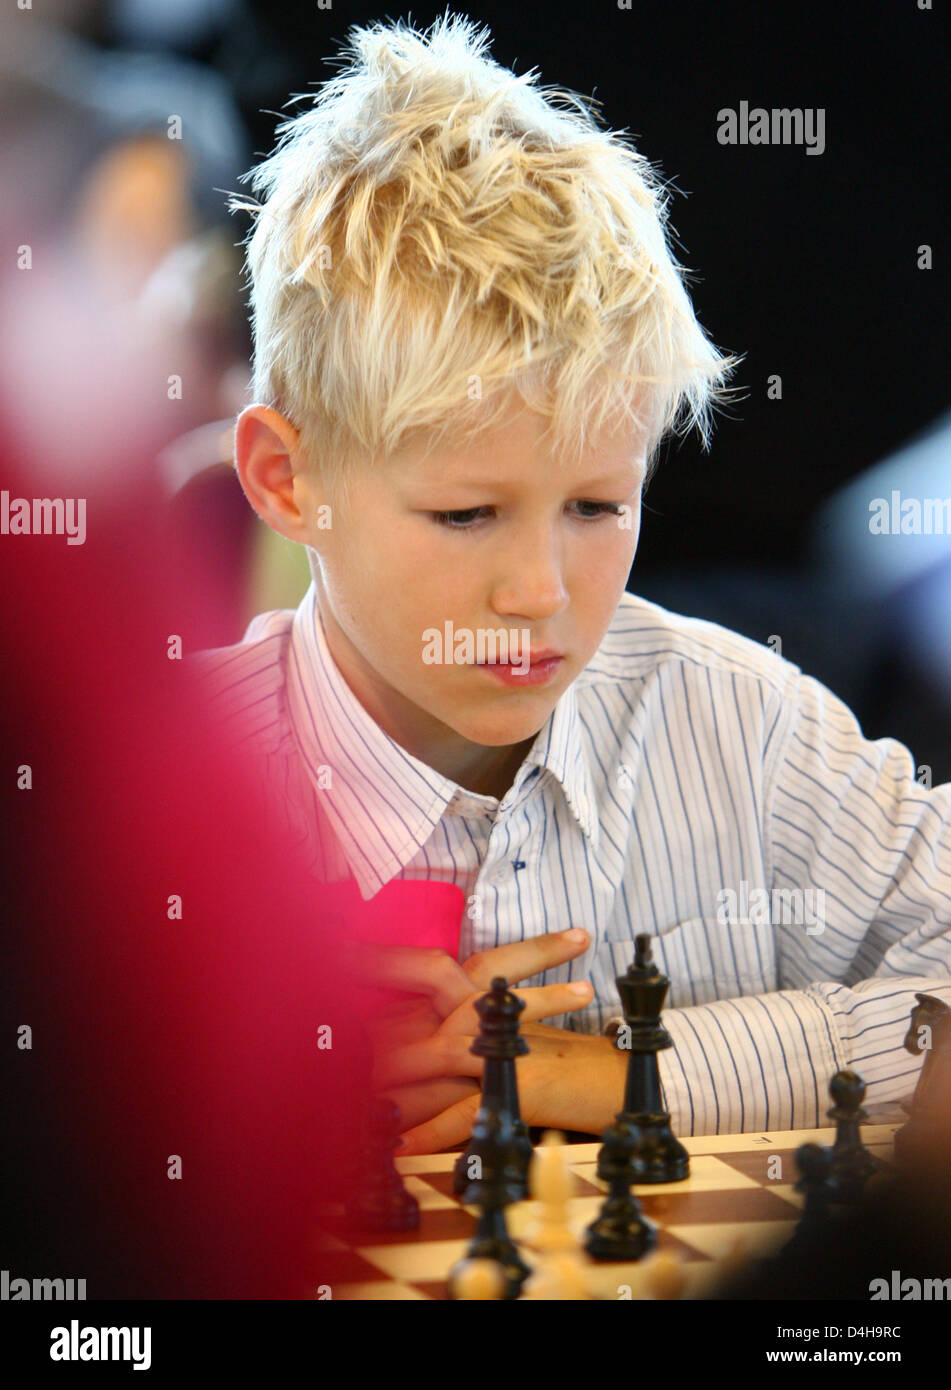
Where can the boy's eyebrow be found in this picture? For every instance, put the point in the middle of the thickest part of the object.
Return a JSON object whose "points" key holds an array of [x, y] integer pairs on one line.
{"points": [[620, 477]]}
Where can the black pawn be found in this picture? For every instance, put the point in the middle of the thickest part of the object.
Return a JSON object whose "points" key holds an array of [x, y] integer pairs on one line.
{"points": [[383, 1203], [815, 1183], [852, 1164], [493, 1242], [499, 1152], [643, 990], [621, 1231], [499, 1043]]}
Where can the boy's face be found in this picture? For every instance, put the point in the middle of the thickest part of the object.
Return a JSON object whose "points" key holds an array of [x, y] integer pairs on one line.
{"points": [[527, 548]]}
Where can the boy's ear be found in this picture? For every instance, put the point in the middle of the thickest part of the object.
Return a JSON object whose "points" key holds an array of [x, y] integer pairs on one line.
{"points": [[257, 421], [265, 447]]}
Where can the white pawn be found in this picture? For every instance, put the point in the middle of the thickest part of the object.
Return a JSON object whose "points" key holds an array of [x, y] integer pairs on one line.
{"points": [[474, 1280], [664, 1278], [560, 1269]]}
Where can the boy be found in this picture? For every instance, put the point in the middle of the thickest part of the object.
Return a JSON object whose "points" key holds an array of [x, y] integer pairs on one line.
{"points": [[470, 340]]}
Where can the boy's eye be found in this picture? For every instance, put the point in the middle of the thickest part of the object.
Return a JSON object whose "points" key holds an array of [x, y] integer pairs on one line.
{"points": [[601, 509], [458, 521], [463, 520]]}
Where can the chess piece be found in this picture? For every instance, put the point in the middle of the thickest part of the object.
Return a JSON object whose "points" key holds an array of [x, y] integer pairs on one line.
{"points": [[643, 990], [814, 1162], [493, 1242], [621, 1231], [559, 1271], [639, 1147], [852, 1164], [383, 1203], [929, 1126], [496, 1161], [557, 1278], [477, 1280], [499, 1095], [664, 1277]]}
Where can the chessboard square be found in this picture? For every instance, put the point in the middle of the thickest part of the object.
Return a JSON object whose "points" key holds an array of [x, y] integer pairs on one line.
{"points": [[443, 1183], [587, 1174], [586, 1182], [426, 1163], [451, 1222], [721, 1143], [378, 1291], [713, 1207], [423, 1260], [435, 1289], [755, 1141], [429, 1197], [717, 1240], [763, 1168], [761, 1165], [581, 1153], [345, 1266]]}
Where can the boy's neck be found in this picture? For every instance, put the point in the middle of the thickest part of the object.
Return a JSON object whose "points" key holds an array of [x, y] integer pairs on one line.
{"points": [[495, 777]]}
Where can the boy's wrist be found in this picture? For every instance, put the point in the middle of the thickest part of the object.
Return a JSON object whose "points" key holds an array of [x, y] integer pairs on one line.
{"points": [[610, 1030]]}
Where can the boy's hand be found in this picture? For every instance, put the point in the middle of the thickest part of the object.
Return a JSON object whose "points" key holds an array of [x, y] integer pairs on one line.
{"points": [[568, 1081], [446, 984], [416, 1043]]}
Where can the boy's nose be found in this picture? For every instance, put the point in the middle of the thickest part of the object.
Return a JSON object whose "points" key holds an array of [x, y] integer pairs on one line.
{"points": [[533, 585]]}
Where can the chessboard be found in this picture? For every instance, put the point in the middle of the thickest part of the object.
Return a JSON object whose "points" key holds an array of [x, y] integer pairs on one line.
{"points": [[738, 1203]]}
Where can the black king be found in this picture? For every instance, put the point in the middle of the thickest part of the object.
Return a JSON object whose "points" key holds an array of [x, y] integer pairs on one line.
{"points": [[640, 1146], [494, 1168]]}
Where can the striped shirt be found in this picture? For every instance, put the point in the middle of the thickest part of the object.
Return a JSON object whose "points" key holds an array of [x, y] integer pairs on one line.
{"points": [[691, 784]]}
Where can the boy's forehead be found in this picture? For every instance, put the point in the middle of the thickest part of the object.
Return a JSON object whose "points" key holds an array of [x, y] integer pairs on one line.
{"points": [[506, 458], [482, 475]]}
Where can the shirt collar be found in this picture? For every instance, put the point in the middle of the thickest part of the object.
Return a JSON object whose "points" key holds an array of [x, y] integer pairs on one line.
{"points": [[559, 747], [382, 802]]}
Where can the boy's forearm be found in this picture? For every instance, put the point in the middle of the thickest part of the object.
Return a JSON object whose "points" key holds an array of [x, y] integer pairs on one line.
{"points": [[764, 1062]]}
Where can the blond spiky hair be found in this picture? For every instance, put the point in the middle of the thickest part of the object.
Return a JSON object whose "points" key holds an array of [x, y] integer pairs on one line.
{"points": [[436, 233]]}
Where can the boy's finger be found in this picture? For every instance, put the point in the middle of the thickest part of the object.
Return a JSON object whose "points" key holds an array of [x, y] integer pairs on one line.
{"points": [[421, 1101], [421, 969], [442, 1055], [452, 1127], [395, 1030], [519, 960], [543, 1001]]}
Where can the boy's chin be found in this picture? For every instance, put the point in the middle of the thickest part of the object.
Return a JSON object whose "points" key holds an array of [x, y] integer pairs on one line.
{"points": [[499, 733]]}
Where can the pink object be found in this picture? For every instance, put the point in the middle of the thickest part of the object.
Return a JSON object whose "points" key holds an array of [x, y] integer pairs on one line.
{"points": [[406, 912]]}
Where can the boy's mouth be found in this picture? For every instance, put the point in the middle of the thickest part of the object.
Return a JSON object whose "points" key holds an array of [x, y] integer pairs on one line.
{"points": [[544, 665]]}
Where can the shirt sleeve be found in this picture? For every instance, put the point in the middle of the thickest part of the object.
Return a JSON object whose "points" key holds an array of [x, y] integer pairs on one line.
{"points": [[846, 817]]}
